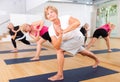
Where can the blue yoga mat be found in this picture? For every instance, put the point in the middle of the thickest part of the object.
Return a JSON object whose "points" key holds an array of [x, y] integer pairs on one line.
{"points": [[73, 75], [27, 59], [22, 50], [105, 51]]}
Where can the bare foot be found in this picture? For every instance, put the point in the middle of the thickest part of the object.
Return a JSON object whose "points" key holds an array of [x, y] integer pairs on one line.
{"points": [[14, 51], [56, 77], [96, 63], [34, 58], [110, 50]]}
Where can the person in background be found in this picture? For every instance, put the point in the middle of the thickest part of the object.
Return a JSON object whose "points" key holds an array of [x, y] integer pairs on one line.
{"points": [[84, 29], [65, 36], [103, 31], [39, 33], [17, 34]]}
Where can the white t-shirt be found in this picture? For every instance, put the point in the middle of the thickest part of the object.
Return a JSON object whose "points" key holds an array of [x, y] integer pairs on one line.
{"points": [[64, 21]]}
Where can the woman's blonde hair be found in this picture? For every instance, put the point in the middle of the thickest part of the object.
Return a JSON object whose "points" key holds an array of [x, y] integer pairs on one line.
{"points": [[23, 27], [112, 26], [50, 7], [10, 25]]}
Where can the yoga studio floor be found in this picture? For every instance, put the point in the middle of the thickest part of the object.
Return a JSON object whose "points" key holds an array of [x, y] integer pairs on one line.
{"points": [[17, 67]]}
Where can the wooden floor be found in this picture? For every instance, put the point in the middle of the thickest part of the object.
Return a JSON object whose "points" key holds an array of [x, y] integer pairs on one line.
{"points": [[108, 60]]}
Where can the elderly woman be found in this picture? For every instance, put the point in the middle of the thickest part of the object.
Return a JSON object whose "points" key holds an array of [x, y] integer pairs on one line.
{"points": [[65, 36]]}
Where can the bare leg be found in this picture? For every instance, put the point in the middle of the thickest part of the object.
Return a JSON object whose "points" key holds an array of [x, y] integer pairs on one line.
{"points": [[91, 55], [91, 43], [39, 46], [107, 39], [59, 75]]}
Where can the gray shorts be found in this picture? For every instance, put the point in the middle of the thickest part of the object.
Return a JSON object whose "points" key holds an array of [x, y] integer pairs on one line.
{"points": [[73, 45]]}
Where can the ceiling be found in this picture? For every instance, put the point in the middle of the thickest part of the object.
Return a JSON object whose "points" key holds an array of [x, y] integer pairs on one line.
{"points": [[87, 2]]}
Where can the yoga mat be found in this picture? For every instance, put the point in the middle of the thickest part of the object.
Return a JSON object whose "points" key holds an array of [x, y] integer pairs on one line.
{"points": [[22, 50], [27, 59], [105, 51], [73, 75]]}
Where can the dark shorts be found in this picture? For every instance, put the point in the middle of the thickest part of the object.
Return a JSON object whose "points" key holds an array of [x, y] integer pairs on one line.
{"points": [[100, 32], [46, 37]]}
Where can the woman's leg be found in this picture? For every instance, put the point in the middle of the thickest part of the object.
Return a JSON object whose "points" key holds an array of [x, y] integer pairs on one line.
{"points": [[39, 46], [25, 41], [93, 40], [107, 39], [14, 45], [60, 59], [91, 55]]}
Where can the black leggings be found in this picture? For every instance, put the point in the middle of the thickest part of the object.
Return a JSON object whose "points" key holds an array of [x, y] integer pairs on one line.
{"points": [[85, 39], [22, 40]]}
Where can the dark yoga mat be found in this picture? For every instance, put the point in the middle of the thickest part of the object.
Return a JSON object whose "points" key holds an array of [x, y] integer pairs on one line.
{"points": [[73, 75], [22, 50], [27, 59], [105, 51]]}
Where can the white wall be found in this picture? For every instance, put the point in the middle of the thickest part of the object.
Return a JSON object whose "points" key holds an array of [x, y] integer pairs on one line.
{"points": [[19, 19], [93, 20], [13, 6], [4, 19], [7, 7], [34, 3]]}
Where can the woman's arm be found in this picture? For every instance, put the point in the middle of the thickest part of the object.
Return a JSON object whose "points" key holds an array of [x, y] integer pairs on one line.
{"points": [[111, 26], [41, 23], [109, 33], [73, 24], [56, 41], [14, 36], [35, 38], [15, 31]]}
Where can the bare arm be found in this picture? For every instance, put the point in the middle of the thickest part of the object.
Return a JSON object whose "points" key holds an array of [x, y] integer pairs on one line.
{"points": [[109, 33], [35, 38], [14, 36], [41, 23], [112, 26], [57, 41], [73, 24]]}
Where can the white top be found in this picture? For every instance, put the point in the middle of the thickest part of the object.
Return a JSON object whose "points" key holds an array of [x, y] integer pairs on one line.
{"points": [[64, 20], [73, 40]]}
